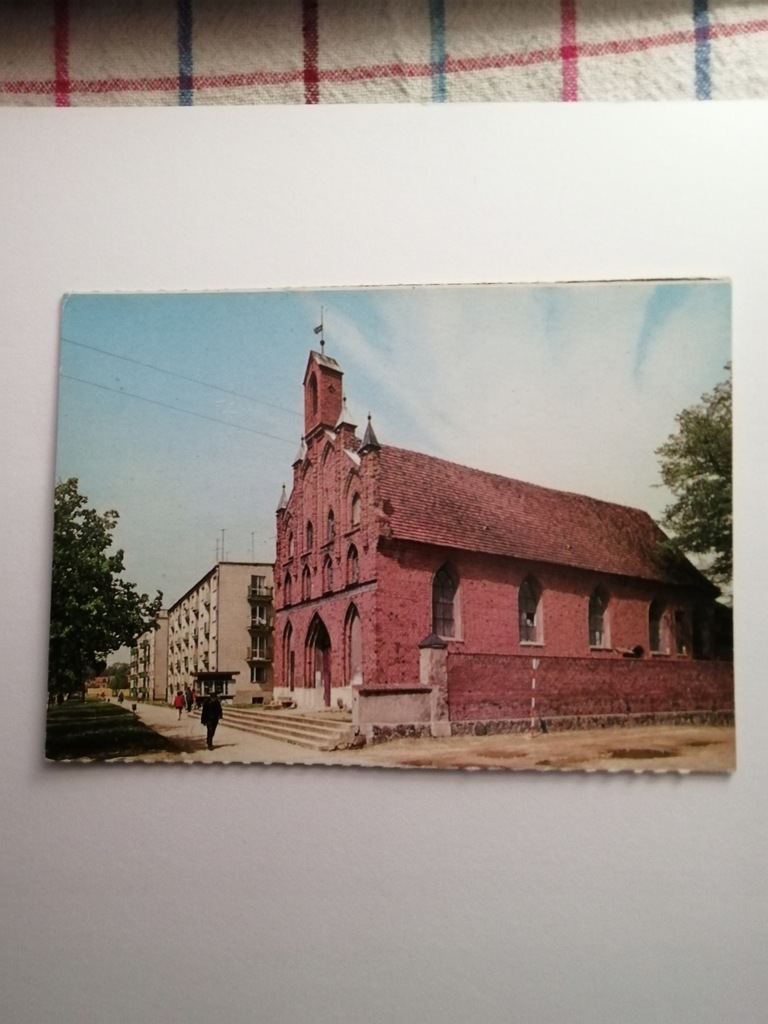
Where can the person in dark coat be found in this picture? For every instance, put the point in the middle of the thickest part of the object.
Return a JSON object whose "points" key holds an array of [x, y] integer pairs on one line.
{"points": [[211, 716]]}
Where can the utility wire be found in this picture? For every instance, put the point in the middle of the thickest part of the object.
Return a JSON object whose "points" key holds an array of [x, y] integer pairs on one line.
{"points": [[175, 408], [181, 376]]}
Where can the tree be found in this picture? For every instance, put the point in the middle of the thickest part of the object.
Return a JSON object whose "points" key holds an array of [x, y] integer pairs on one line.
{"points": [[117, 674], [93, 611], [696, 465]]}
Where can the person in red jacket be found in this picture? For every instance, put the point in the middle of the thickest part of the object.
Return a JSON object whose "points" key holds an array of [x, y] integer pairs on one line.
{"points": [[178, 702]]}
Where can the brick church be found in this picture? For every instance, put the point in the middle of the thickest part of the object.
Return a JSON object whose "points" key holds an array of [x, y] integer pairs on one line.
{"points": [[432, 598]]}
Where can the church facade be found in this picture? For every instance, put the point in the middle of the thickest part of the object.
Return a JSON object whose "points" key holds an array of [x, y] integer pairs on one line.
{"points": [[429, 597]]}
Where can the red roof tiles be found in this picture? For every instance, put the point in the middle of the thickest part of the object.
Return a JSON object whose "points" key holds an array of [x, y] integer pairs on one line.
{"points": [[432, 501]]}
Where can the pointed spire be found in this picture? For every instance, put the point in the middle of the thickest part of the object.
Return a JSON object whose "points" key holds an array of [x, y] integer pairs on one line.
{"points": [[283, 503], [344, 418], [370, 441], [301, 453]]}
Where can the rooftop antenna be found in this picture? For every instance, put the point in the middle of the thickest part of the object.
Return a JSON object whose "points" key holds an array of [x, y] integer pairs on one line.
{"points": [[319, 330]]}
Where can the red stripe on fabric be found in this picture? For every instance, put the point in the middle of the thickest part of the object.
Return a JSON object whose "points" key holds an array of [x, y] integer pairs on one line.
{"points": [[455, 65], [309, 32], [568, 51], [61, 52]]}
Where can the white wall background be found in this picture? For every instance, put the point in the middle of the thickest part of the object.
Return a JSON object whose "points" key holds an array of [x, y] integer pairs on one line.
{"points": [[149, 893]]}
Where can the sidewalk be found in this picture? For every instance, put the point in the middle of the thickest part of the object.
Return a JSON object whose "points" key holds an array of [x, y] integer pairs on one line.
{"points": [[229, 745]]}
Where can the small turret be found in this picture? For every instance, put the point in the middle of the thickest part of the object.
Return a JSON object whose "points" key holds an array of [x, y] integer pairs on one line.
{"points": [[301, 454], [283, 503], [370, 441]]}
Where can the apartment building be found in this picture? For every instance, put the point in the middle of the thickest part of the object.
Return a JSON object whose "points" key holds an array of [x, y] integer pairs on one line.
{"points": [[148, 675], [220, 634]]}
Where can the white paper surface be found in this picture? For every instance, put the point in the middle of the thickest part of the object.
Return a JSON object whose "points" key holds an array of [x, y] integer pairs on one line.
{"points": [[333, 895]]}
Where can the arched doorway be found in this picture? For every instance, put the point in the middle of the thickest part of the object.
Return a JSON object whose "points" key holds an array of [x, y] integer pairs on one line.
{"points": [[288, 657], [319, 660], [354, 645]]}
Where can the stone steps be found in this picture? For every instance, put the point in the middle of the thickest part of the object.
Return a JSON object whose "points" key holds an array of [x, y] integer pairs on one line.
{"points": [[304, 729]]}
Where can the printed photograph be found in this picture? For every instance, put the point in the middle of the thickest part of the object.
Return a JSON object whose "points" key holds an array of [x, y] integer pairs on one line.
{"points": [[482, 526]]}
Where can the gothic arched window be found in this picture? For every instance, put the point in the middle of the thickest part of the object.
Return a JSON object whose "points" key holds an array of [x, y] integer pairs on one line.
{"points": [[290, 544], [287, 589], [444, 603], [306, 584], [353, 565], [529, 611], [354, 512], [598, 619], [327, 574], [310, 535], [655, 622], [331, 525]]}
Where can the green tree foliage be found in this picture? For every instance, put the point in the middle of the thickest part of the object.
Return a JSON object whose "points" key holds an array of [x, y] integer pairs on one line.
{"points": [[93, 611], [696, 465], [118, 675]]}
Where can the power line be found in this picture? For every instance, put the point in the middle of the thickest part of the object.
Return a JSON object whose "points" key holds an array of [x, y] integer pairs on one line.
{"points": [[175, 408], [181, 376]]}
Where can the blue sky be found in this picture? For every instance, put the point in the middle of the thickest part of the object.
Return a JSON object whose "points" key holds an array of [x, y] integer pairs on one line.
{"points": [[570, 386]]}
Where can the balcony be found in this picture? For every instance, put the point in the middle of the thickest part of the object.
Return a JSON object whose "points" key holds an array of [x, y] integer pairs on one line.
{"points": [[262, 625], [257, 654], [260, 593]]}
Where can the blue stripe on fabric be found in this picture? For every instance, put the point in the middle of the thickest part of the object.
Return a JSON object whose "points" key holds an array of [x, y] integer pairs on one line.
{"points": [[437, 49], [184, 15], [703, 49]]}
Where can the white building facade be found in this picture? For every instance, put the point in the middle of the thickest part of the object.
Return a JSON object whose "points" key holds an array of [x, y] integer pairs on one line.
{"points": [[149, 662], [220, 634]]}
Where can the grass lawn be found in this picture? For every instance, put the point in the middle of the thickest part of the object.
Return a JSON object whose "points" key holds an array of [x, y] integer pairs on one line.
{"points": [[98, 730]]}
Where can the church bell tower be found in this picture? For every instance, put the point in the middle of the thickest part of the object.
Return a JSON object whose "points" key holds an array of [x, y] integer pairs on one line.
{"points": [[322, 393]]}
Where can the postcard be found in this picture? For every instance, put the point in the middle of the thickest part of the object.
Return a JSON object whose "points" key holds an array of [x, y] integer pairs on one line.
{"points": [[476, 526]]}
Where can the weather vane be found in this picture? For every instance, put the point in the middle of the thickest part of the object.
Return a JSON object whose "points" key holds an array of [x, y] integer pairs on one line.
{"points": [[319, 330]]}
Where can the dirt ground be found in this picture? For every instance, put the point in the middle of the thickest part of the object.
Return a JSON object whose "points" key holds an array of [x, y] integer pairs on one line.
{"points": [[642, 748], [678, 748]]}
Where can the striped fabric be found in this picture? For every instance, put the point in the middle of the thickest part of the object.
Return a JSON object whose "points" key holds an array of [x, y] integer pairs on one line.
{"points": [[183, 52]]}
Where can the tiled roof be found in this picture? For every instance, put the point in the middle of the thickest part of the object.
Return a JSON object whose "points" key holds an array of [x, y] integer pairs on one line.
{"points": [[432, 501]]}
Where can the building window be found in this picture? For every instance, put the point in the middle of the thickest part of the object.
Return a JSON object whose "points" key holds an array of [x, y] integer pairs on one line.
{"points": [[327, 575], [258, 674], [528, 612], [598, 626], [331, 525], [287, 589], [355, 509], [290, 544], [313, 395], [310, 535], [353, 565], [443, 602], [306, 584], [259, 615], [682, 632], [655, 621], [259, 648]]}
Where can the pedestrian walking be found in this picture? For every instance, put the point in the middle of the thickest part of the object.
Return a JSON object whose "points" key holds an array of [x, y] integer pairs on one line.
{"points": [[178, 702], [211, 716], [188, 699]]}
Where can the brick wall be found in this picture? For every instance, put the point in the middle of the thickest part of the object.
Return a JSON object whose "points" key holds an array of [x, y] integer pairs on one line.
{"points": [[486, 686]]}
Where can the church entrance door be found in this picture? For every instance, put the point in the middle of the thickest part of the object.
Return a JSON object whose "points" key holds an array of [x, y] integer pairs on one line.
{"points": [[319, 658]]}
